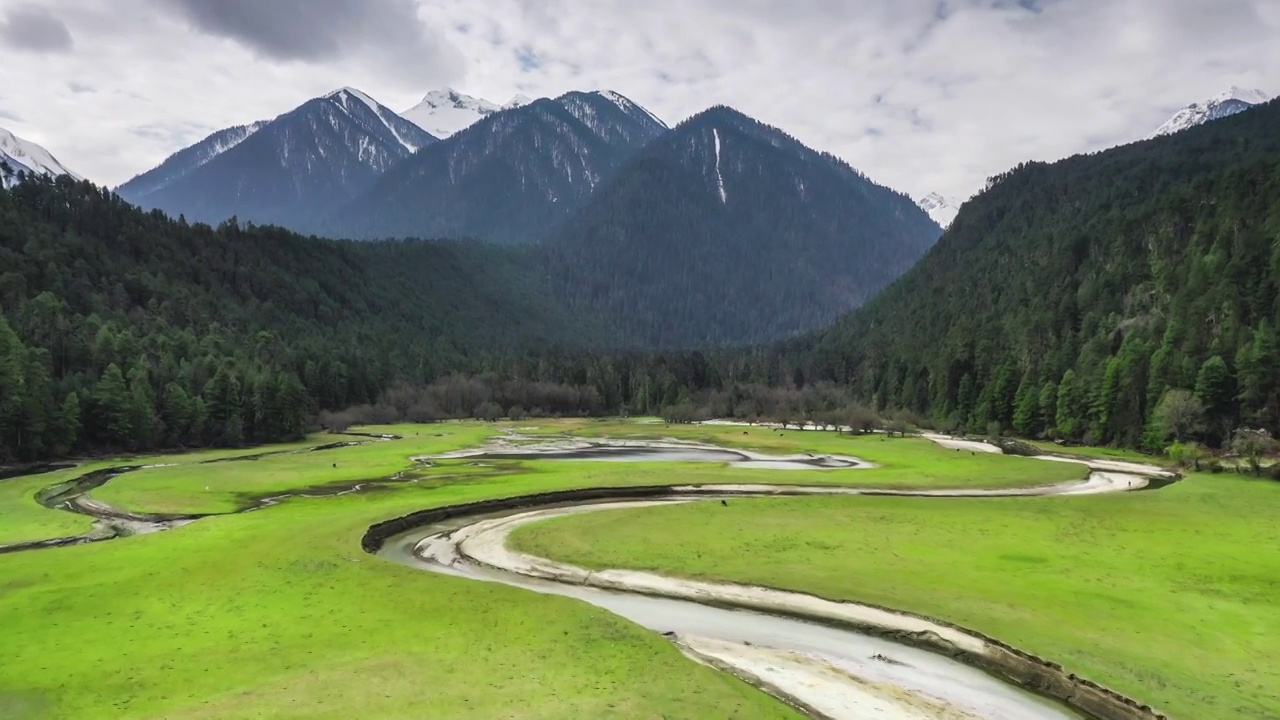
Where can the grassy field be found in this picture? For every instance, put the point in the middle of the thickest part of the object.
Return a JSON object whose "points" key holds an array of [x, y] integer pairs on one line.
{"points": [[21, 519], [25, 520], [278, 614], [1104, 453], [907, 463], [202, 487], [1172, 596]]}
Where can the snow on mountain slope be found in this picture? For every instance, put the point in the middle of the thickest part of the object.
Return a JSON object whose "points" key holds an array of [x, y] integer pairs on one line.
{"points": [[445, 112], [395, 124], [1234, 100], [288, 171], [28, 157], [517, 101], [942, 209], [188, 159], [612, 116]]}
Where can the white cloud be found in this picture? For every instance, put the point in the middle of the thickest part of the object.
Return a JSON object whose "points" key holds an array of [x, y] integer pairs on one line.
{"points": [[919, 94]]}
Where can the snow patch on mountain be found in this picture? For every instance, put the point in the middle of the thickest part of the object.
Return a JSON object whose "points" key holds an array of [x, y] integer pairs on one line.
{"points": [[942, 209], [446, 112], [724, 197], [629, 107], [517, 101], [1234, 100], [347, 97], [27, 157]]}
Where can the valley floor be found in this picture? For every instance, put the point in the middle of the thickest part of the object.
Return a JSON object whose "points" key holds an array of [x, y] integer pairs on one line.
{"points": [[1168, 596], [278, 613]]}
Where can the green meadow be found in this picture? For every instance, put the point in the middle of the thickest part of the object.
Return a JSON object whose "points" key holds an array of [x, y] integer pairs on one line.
{"points": [[1171, 596], [278, 613]]}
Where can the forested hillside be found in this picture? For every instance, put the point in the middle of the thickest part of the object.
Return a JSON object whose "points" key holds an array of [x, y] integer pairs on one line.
{"points": [[1077, 299], [728, 231], [123, 329]]}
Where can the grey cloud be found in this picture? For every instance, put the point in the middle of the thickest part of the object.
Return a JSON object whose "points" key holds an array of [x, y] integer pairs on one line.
{"points": [[923, 95], [33, 28], [79, 88], [387, 32]]}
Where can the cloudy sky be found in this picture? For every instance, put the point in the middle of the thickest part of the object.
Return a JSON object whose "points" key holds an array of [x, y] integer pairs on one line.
{"points": [[921, 95]]}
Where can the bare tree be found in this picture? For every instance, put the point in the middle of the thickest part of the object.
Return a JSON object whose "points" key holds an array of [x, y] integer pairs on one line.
{"points": [[1179, 414], [861, 419], [1253, 445]]}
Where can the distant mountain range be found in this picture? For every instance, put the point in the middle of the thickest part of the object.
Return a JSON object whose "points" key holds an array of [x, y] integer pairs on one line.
{"points": [[1234, 100], [24, 156], [509, 178], [285, 171], [722, 230]]}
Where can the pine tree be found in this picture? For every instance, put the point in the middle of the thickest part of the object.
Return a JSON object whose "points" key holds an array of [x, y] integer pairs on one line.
{"points": [[1048, 408], [177, 413], [1026, 416], [68, 425], [1216, 390], [112, 407], [1070, 412], [142, 408]]}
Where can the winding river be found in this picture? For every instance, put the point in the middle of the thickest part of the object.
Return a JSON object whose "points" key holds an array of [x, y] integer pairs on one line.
{"points": [[842, 661], [833, 660]]}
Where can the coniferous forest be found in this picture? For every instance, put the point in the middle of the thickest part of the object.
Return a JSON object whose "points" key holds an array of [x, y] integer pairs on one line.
{"points": [[1129, 297]]}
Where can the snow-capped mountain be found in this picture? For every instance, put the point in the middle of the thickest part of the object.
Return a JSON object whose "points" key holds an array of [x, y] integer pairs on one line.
{"points": [[1234, 100], [288, 171], [445, 112], [617, 119], [942, 209], [184, 161], [508, 178], [24, 156]]}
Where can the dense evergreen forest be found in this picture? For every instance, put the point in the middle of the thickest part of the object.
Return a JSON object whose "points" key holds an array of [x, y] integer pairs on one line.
{"points": [[1126, 297], [1130, 297], [124, 329]]}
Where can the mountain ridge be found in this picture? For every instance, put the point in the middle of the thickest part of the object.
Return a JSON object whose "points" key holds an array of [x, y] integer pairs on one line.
{"points": [[290, 169], [793, 237], [1232, 101], [1071, 319], [508, 178], [24, 156]]}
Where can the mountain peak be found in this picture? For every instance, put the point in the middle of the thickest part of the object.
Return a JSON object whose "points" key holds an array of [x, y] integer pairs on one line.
{"points": [[446, 111], [939, 207], [26, 156], [1233, 100], [519, 100], [343, 94], [1253, 97]]}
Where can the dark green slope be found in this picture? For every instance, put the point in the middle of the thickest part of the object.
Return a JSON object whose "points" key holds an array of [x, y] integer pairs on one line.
{"points": [[727, 231], [1067, 298], [168, 333]]}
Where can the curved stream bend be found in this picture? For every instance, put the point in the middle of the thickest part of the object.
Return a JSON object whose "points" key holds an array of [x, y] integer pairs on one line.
{"points": [[831, 659]]}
